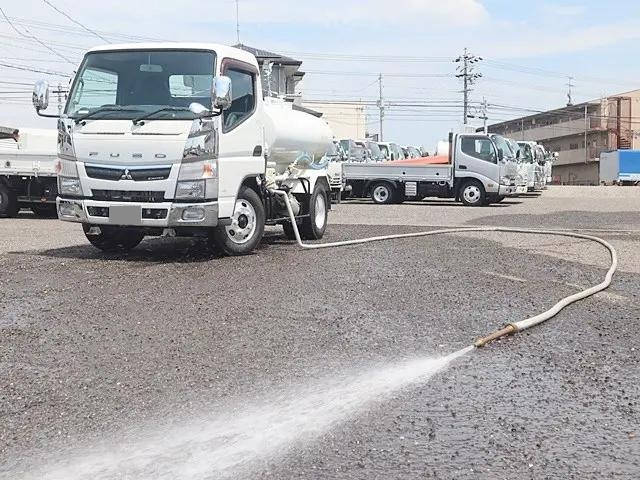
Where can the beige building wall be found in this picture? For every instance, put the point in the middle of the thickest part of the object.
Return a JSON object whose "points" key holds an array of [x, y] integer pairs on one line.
{"points": [[346, 120], [577, 174]]}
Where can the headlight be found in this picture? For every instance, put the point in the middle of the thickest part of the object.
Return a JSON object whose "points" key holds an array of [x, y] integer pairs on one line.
{"points": [[190, 190], [69, 186], [197, 180]]}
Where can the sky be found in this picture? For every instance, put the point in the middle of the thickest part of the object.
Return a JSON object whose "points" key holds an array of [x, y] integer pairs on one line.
{"points": [[529, 49]]}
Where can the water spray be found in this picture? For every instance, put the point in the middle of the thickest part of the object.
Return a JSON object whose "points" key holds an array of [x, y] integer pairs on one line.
{"points": [[511, 328]]}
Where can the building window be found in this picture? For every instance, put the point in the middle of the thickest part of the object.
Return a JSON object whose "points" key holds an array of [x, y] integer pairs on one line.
{"points": [[573, 146]]}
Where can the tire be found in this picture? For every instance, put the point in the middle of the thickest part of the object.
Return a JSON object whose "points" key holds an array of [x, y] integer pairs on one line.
{"points": [[472, 194], [114, 239], [45, 210], [314, 226], [382, 193], [247, 227], [8, 202]]}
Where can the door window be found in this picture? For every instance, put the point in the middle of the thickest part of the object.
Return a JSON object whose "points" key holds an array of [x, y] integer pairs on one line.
{"points": [[243, 98], [481, 148]]}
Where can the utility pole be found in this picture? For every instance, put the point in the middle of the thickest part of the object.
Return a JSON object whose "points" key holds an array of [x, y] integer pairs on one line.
{"points": [[484, 115], [381, 106], [481, 114], [61, 99], [238, 20], [586, 128], [570, 85], [465, 71]]}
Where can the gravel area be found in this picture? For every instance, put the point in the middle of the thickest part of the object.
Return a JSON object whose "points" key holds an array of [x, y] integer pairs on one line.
{"points": [[167, 350]]}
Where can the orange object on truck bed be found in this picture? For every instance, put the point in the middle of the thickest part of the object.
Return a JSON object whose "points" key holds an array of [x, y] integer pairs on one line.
{"points": [[435, 160]]}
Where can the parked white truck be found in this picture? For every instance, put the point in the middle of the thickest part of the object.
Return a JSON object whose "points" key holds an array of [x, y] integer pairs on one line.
{"points": [[475, 174], [176, 139], [27, 171], [532, 155]]}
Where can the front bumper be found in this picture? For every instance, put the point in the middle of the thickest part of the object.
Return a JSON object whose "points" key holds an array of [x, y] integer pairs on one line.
{"points": [[507, 190], [139, 214]]}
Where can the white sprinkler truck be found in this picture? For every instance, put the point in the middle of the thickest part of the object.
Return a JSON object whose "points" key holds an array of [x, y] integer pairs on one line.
{"points": [[27, 171], [177, 140], [477, 173]]}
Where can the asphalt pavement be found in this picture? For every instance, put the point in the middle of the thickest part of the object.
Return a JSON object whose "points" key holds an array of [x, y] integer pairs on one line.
{"points": [[142, 350]]}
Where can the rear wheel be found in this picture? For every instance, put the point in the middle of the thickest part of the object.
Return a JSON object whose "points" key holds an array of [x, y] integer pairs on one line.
{"points": [[45, 210], [315, 224], [113, 239], [247, 226], [8, 202], [382, 193], [472, 194]]}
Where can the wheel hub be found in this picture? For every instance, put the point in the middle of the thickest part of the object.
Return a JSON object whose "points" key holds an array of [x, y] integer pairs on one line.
{"points": [[471, 193], [381, 194], [243, 223]]}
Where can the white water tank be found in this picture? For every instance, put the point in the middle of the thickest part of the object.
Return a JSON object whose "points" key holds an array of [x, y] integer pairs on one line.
{"points": [[291, 134], [442, 149]]}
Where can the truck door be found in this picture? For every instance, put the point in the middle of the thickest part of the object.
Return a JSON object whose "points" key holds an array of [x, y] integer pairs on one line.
{"points": [[476, 157], [240, 152]]}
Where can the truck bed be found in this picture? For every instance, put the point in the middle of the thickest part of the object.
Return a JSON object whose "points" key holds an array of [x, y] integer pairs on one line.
{"points": [[400, 172], [33, 155]]}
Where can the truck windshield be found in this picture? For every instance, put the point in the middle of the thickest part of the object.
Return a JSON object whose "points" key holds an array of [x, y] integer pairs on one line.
{"points": [[502, 143], [376, 154], [345, 145], [143, 81], [384, 150], [525, 152]]}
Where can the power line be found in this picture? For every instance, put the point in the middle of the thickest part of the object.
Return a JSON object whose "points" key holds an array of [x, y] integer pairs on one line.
{"points": [[75, 21], [36, 70], [33, 37]]}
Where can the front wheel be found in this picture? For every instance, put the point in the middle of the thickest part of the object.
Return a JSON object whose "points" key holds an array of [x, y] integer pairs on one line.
{"points": [[315, 224], [247, 226], [112, 239], [472, 194], [8, 202]]}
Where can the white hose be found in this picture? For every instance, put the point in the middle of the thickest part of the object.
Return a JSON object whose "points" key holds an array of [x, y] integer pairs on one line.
{"points": [[522, 324]]}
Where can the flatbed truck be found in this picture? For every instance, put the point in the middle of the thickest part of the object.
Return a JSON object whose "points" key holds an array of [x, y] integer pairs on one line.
{"points": [[476, 174]]}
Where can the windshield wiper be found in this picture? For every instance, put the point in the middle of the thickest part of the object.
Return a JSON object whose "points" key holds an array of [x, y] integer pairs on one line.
{"points": [[136, 121], [113, 108]]}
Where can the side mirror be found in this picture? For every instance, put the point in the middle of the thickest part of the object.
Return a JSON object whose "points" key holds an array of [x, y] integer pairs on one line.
{"points": [[221, 94], [40, 96], [197, 108], [500, 154], [517, 154]]}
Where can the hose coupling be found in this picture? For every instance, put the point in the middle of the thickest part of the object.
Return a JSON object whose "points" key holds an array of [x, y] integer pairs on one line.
{"points": [[510, 329]]}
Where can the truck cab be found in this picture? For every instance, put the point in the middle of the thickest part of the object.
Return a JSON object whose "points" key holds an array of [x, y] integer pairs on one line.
{"points": [[509, 162], [176, 139], [354, 152]]}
